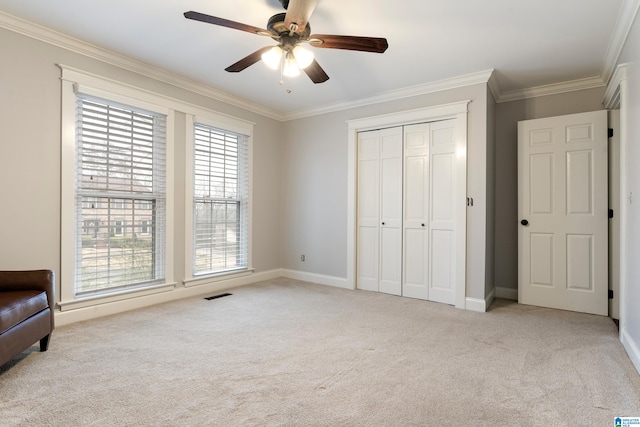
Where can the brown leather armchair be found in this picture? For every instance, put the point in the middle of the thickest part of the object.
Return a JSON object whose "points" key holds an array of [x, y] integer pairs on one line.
{"points": [[26, 311]]}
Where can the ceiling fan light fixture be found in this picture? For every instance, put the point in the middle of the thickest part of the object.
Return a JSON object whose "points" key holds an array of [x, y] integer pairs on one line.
{"points": [[290, 66], [288, 30], [272, 57], [304, 57]]}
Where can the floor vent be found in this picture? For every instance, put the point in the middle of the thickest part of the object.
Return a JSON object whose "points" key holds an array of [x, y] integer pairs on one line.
{"points": [[218, 296]]}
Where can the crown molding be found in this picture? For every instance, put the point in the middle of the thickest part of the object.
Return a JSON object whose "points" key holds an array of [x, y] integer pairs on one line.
{"points": [[612, 96], [73, 44], [627, 16], [393, 95], [552, 89], [494, 87]]}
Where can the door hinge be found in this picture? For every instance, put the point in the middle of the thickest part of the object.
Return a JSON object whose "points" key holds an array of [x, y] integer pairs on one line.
{"points": [[610, 293], [610, 133], [610, 213]]}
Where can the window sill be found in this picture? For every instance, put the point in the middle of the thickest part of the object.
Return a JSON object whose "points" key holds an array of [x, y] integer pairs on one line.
{"points": [[115, 296], [217, 277]]}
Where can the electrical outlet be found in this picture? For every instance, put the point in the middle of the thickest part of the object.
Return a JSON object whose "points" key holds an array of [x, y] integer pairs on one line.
{"points": [[302, 257]]}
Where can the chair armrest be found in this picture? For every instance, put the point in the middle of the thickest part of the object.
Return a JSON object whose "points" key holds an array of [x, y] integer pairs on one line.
{"points": [[41, 280]]}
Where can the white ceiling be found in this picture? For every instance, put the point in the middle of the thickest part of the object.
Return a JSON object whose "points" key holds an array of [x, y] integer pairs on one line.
{"points": [[528, 43]]}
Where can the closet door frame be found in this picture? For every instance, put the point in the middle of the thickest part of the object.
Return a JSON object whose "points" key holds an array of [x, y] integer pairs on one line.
{"points": [[458, 111]]}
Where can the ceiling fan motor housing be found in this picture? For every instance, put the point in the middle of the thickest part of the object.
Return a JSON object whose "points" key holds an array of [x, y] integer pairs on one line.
{"points": [[279, 30]]}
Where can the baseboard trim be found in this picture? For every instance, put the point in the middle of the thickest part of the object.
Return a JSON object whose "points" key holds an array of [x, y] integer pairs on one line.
{"points": [[507, 293], [476, 304], [480, 305], [633, 350], [86, 313], [338, 282]]}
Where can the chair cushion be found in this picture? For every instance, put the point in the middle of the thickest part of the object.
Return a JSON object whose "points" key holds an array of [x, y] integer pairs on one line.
{"points": [[17, 306]]}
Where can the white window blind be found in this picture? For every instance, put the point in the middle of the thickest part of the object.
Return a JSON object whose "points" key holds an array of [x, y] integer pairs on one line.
{"points": [[120, 197], [220, 200]]}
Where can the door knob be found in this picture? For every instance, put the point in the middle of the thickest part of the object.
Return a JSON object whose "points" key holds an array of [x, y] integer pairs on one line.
{"points": [[524, 222]]}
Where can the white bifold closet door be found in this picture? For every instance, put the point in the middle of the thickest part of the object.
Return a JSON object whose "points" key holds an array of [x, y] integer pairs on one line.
{"points": [[406, 212], [379, 255], [368, 211], [416, 211]]}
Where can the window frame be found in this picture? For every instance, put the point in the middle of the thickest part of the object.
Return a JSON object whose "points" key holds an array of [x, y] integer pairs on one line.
{"points": [[76, 82], [232, 125]]}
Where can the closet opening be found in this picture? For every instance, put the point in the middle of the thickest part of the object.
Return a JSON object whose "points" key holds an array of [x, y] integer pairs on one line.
{"points": [[407, 204]]}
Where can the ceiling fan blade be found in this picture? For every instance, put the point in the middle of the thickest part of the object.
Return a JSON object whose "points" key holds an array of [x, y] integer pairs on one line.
{"points": [[247, 61], [197, 16], [363, 44], [316, 73], [298, 13]]}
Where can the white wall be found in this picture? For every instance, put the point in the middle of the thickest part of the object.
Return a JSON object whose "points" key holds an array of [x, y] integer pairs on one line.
{"points": [[630, 206], [314, 185], [30, 93], [631, 48]]}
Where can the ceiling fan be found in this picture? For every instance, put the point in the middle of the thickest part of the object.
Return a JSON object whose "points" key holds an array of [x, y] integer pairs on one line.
{"points": [[290, 30]]}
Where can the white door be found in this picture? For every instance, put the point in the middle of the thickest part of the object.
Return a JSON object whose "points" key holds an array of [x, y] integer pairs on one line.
{"points": [[407, 215], [368, 209], [562, 206], [391, 211], [444, 216], [415, 280], [430, 193], [379, 254]]}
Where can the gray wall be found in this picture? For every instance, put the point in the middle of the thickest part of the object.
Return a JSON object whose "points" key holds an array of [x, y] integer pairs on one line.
{"points": [[300, 168], [506, 184], [300, 175], [314, 185], [30, 117], [491, 196]]}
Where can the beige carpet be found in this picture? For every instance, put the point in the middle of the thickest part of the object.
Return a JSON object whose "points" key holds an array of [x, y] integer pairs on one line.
{"points": [[293, 353]]}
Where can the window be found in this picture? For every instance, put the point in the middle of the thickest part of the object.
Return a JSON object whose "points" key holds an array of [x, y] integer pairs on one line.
{"points": [[144, 226], [117, 228], [220, 201], [91, 227], [117, 194], [120, 182], [117, 203], [91, 202]]}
